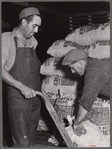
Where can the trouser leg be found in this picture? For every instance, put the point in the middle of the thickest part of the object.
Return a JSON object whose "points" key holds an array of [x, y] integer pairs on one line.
{"points": [[20, 126], [35, 116], [24, 121]]}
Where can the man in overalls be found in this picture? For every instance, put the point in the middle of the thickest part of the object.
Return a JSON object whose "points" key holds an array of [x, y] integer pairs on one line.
{"points": [[21, 72]]}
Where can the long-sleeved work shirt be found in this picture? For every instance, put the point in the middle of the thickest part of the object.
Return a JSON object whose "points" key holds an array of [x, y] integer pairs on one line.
{"points": [[96, 81]]}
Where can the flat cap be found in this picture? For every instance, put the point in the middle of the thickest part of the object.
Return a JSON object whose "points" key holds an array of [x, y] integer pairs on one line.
{"points": [[28, 11], [74, 55]]}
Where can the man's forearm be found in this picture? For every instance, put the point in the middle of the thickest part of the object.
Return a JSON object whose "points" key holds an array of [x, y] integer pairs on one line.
{"points": [[26, 91], [10, 80], [80, 115]]}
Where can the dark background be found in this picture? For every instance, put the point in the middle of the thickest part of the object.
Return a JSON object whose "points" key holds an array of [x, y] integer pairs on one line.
{"points": [[55, 26], [55, 19]]}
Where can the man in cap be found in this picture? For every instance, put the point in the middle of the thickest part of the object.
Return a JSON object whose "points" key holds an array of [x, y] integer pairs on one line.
{"points": [[96, 81], [21, 72]]}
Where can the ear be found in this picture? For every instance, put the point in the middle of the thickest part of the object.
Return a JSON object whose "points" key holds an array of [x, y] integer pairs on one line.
{"points": [[82, 62], [24, 22]]}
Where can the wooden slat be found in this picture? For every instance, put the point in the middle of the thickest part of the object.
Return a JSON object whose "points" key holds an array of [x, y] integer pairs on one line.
{"points": [[90, 13], [106, 16], [82, 19], [56, 120], [79, 19]]}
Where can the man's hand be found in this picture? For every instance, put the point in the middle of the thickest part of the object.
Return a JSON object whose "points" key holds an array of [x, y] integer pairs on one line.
{"points": [[27, 92], [79, 129], [78, 126]]}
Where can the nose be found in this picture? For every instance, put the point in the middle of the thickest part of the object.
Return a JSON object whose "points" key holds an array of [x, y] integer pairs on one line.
{"points": [[36, 29], [72, 70]]}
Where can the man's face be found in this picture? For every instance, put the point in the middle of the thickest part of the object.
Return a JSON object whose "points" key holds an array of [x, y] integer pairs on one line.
{"points": [[32, 27], [78, 67]]}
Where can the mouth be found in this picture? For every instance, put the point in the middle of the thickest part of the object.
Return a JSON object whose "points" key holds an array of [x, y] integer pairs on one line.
{"points": [[32, 33], [74, 71], [80, 73]]}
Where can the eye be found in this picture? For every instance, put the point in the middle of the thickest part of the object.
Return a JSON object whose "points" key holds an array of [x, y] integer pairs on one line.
{"points": [[34, 26]]}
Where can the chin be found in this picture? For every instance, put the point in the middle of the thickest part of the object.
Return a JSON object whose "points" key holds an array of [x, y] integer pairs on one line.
{"points": [[30, 36], [81, 74]]}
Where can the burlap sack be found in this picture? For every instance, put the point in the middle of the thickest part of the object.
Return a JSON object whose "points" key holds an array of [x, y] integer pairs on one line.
{"points": [[62, 93], [52, 66], [87, 35], [61, 47], [100, 49], [100, 116], [92, 138], [55, 85]]}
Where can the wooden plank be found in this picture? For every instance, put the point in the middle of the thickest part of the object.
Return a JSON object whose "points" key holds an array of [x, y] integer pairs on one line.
{"points": [[90, 13], [101, 16], [55, 118]]}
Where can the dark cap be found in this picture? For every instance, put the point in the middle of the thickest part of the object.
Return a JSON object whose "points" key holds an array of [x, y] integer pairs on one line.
{"points": [[28, 11], [74, 55]]}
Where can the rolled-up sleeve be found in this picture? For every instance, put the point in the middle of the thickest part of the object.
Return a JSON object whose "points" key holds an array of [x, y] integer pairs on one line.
{"points": [[8, 49], [94, 80]]}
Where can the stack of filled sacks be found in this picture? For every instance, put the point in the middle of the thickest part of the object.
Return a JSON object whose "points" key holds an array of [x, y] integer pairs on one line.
{"points": [[95, 39], [62, 89], [60, 85]]}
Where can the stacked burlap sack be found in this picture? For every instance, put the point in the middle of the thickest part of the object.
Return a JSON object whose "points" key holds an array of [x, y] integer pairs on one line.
{"points": [[62, 93], [61, 86], [99, 115], [95, 39]]}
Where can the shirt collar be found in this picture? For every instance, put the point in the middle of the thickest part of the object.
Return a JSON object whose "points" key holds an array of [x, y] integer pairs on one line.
{"points": [[13, 33]]}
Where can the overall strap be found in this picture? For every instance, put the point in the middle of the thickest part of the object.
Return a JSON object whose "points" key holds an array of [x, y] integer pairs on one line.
{"points": [[15, 39]]}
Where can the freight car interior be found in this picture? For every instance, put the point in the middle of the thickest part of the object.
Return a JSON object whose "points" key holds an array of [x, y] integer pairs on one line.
{"points": [[58, 19]]}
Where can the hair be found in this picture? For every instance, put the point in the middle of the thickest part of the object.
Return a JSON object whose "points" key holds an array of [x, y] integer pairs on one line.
{"points": [[28, 19]]}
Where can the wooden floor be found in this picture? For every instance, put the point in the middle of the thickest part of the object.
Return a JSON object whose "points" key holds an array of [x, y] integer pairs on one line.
{"points": [[41, 137]]}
